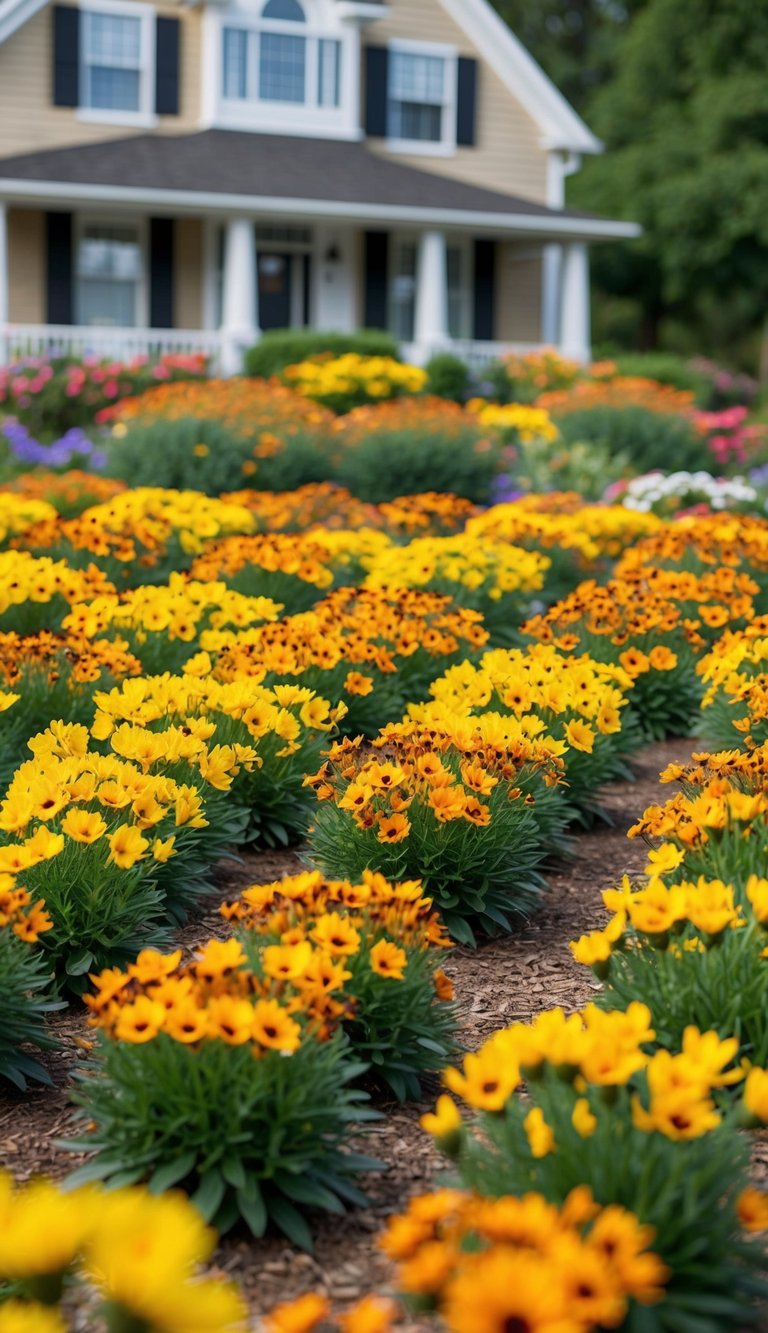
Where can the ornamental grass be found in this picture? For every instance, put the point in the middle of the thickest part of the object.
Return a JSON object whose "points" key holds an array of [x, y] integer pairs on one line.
{"points": [[492, 578], [278, 733], [652, 1136], [371, 650], [342, 383], [469, 809], [26, 993], [229, 1079], [126, 1258], [380, 945], [577, 702], [655, 624]]}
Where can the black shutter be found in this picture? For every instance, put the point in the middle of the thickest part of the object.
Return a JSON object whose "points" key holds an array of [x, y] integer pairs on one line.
{"points": [[484, 313], [59, 289], [376, 265], [466, 109], [167, 42], [66, 55], [376, 91], [161, 273]]}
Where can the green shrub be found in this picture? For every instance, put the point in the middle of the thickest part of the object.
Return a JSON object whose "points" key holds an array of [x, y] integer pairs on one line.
{"points": [[666, 368], [650, 439], [286, 347], [448, 377], [202, 455], [25, 999]]}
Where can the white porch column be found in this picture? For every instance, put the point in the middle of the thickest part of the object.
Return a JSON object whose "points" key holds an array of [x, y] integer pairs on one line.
{"points": [[574, 303], [431, 313], [552, 263], [240, 316], [4, 284]]}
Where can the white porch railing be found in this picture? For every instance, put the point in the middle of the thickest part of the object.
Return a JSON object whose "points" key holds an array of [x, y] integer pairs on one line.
{"points": [[41, 340], [476, 355], [18, 341]]}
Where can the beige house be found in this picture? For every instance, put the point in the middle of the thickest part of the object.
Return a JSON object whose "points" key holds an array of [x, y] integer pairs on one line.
{"points": [[183, 174]]}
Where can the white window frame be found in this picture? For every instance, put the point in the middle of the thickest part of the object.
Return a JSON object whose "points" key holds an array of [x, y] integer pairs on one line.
{"points": [[85, 220], [454, 241], [307, 119], [446, 146], [145, 117]]}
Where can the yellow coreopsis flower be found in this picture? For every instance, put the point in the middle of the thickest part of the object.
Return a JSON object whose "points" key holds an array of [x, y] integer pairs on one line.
{"points": [[127, 846]]}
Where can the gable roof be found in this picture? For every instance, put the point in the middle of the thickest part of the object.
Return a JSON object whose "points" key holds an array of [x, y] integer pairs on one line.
{"points": [[282, 176]]}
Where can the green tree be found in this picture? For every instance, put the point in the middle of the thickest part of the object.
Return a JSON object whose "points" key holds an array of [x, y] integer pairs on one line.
{"points": [[685, 124], [574, 41]]}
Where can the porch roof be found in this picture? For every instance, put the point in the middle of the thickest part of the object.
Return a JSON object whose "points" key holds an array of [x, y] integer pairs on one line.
{"points": [[275, 175]]}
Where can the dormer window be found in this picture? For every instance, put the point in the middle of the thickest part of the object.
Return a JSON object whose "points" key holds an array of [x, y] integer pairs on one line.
{"points": [[280, 60]]}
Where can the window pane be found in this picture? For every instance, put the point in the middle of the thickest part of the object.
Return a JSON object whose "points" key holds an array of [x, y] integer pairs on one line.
{"points": [[289, 10], [282, 68], [415, 78], [409, 120], [235, 55], [402, 295], [456, 304], [114, 41], [329, 69], [112, 89], [107, 303]]}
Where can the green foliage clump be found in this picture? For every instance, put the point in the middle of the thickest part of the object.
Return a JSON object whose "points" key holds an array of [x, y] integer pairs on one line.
{"points": [[25, 999], [448, 377], [649, 439], [286, 347]]}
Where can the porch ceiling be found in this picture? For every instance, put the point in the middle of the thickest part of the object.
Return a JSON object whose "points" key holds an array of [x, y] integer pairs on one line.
{"points": [[225, 171]]}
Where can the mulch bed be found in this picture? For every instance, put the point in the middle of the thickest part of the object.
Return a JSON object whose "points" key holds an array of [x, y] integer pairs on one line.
{"points": [[503, 981]]}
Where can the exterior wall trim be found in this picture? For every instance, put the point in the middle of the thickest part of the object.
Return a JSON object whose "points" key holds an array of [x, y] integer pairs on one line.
{"points": [[591, 229]]}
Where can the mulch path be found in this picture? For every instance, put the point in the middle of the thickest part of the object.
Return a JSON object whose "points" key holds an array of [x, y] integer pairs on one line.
{"points": [[503, 981]]}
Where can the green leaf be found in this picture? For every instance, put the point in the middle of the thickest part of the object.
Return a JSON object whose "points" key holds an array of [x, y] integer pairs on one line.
{"points": [[250, 1201], [209, 1194], [291, 1223], [305, 1190], [171, 1173], [233, 1171], [80, 963]]}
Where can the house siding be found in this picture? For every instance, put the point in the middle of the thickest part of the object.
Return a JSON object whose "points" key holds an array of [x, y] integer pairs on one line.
{"points": [[508, 155], [26, 266], [188, 274], [30, 121], [518, 294]]}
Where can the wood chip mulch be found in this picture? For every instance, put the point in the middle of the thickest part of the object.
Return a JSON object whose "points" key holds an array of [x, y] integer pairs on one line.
{"points": [[503, 981]]}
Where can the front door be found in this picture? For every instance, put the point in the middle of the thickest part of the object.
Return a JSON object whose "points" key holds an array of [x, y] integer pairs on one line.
{"points": [[275, 294]]}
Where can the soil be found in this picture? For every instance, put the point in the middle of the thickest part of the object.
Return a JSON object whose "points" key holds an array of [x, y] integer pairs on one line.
{"points": [[502, 981]]}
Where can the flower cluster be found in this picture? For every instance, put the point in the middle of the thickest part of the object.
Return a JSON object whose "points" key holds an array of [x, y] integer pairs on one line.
{"points": [[517, 422], [50, 396], [605, 1113], [373, 650], [25, 997], [264, 413], [654, 623], [357, 939], [529, 374], [19, 513], [73, 446], [140, 1254], [522, 1262], [493, 578], [618, 391], [344, 382], [37, 592], [575, 700], [68, 493], [469, 807], [672, 493]]}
